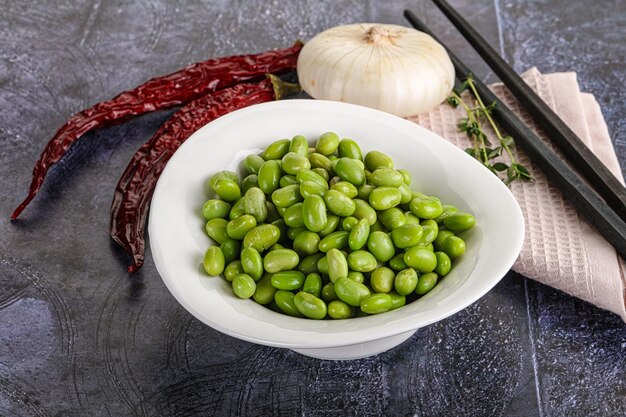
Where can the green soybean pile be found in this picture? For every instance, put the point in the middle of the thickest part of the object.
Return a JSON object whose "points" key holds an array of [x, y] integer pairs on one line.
{"points": [[327, 233]]}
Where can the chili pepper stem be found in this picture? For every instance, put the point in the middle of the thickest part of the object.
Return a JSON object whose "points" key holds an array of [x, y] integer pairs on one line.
{"points": [[282, 88]]}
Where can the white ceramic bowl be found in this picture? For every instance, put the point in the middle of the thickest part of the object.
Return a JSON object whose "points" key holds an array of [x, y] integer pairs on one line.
{"points": [[178, 239]]}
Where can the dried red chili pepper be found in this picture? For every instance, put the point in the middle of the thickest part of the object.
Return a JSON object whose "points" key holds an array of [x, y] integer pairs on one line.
{"points": [[178, 88], [134, 190]]}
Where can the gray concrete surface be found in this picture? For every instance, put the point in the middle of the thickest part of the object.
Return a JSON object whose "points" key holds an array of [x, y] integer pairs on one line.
{"points": [[79, 337]]}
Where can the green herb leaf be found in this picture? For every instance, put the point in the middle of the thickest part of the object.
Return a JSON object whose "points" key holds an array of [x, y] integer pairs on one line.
{"points": [[453, 101], [500, 166]]}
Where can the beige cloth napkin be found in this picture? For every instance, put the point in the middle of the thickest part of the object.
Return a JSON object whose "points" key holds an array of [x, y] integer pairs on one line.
{"points": [[561, 249]]}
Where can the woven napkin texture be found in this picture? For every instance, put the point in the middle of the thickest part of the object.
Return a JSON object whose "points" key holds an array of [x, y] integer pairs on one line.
{"points": [[561, 249]]}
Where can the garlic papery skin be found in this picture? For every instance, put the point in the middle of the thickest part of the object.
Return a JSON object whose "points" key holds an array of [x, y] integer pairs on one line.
{"points": [[387, 67]]}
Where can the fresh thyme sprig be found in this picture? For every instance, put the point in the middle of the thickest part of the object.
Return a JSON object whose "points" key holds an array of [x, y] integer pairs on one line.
{"points": [[482, 148]]}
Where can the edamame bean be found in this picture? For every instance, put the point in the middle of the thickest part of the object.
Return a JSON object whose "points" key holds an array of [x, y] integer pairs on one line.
{"points": [[351, 292], [293, 216], [284, 301], [407, 235], [426, 283], [264, 293], [383, 198], [255, 204], [350, 170], [286, 196], [359, 234], [288, 280], [447, 210], [243, 286], [322, 265], [233, 269], [321, 172], [337, 264], [238, 227], [356, 276], [228, 190], [430, 223], [339, 310], [252, 263], [420, 258], [362, 261], [348, 223], [346, 188], [318, 160], [377, 159], [305, 175], [453, 246], [276, 150], [327, 143], [280, 260], [237, 210], [381, 246], [382, 279], [229, 175], [376, 304], [309, 305], [364, 191], [328, 292], [286, 180], [332, 222], [339, 204], [444, 264], [308, 188], [411, 218], [392, 218], [313, 284], [214, 261], [269, 176], [377, 227], [294, 162], [426, 207], [299, 145], [349, 149], [397, 300], [459, 221], [308, 265], [363, 210], [428, 236], [385, 177], [406, 194], [216, 229], [248, 182], [336, 240], [292, 232], [306, 242], [215, 208], [405, 281], [252, 163], [314, 213], [441, 236], [406, 176], [397, 262], [231, 249]]}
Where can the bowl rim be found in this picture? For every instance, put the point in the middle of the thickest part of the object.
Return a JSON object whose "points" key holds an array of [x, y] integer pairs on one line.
{"points": [[397, 321]]}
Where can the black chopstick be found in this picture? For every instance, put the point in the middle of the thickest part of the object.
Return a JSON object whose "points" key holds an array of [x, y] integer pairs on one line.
{"points": [[572, 187], [581, 157]]}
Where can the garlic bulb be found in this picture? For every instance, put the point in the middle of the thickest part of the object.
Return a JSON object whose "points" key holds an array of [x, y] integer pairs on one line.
{"points": [[388, 67]]}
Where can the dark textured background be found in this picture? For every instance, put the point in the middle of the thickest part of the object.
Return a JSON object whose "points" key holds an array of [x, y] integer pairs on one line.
{"points": [[79, 337]]}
